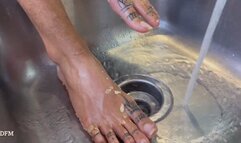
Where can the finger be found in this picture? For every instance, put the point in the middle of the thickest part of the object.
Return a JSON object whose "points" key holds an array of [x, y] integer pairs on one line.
{"points": [[109, 134], [145, 8], [123, 134], [139, 117], [138, 136], [125, 9]]}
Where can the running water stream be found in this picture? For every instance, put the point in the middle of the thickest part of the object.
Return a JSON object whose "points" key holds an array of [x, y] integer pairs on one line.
{"points": [[217, 12]]}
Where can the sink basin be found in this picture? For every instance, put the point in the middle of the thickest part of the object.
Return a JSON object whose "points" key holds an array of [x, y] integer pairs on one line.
{"points": [[35, 105]]}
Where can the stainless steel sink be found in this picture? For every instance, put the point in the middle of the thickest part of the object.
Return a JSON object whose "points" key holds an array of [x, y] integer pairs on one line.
{"points": [[35, 105]]}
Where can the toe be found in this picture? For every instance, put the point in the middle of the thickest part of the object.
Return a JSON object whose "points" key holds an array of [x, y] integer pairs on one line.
{"points": [[139, 117], [128, 13], [123, 134], [94, 133], [109, 135], [145, 124], [145, 8], [99, 139], [138, 136]]}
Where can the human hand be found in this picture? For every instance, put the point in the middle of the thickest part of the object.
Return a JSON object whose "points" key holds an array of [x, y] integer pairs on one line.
{"points": [[139, 15]]}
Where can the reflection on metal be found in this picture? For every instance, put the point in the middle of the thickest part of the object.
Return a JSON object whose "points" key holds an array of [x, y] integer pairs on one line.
{"points": [[30, 72], [165, 62]]}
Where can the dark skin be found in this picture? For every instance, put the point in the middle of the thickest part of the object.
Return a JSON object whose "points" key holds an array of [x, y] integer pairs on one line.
{"points": [[114, 113]]}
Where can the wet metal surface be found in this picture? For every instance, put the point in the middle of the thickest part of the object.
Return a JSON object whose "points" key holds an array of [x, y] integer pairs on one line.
{"points": [[211, 109], [35, 105]]}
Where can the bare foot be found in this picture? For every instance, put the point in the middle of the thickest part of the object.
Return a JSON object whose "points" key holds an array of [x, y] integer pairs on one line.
{"points": [[140, 15], [104, 111]]}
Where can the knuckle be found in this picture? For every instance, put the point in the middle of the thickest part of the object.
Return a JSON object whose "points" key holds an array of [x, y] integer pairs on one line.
{"points": [[126, 137], [140, 117], [135, 132]]}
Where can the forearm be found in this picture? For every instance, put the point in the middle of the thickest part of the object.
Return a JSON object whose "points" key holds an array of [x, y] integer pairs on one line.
{"points": [[51, 21]]}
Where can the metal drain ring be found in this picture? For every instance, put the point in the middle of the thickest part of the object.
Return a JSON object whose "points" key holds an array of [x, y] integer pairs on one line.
{"points": [[164, 91]]}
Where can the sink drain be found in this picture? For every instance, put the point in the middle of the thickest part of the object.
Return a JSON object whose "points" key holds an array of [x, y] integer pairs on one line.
{"points": [[152, 96]]}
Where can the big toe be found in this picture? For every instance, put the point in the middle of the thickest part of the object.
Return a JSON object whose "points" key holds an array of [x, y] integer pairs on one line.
{"points": [[149, 128], [135, 132], [140, 118], [145, 124]]}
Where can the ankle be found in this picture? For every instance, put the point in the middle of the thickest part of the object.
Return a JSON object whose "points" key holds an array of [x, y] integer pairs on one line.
{"points": [[67, 51]]}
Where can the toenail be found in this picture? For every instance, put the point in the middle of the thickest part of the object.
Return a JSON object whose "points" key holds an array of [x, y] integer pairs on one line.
{"points": [[150, 128], [145, 25], [152, 132]]}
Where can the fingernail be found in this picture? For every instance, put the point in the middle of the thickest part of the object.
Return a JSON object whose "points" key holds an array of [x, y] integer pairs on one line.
{"points": [[145, 25]]}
